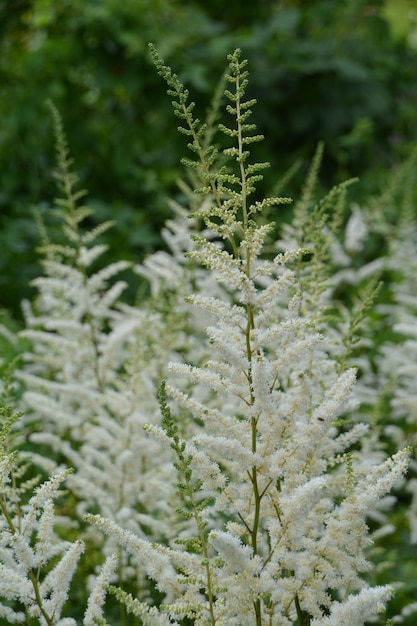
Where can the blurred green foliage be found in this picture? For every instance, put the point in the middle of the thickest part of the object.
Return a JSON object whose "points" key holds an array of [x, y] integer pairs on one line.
{"points": [[345, 76]]}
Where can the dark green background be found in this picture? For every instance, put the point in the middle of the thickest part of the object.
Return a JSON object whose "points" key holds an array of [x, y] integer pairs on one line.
{"points": [[340, 71]]}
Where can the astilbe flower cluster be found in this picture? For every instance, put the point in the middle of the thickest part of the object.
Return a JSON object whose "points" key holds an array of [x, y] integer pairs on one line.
{"points": [[395, 360], [273, 500], [91, 376], [239, 493], [398, 368], [33, 557]]}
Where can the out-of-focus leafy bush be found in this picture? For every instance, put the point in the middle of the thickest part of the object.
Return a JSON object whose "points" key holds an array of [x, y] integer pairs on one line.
{"points": [[339, 76]]}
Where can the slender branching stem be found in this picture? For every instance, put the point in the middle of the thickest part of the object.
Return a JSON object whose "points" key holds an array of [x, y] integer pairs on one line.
{"points": [[303, 619], [183, 468], [67, 181], [249, 328]]}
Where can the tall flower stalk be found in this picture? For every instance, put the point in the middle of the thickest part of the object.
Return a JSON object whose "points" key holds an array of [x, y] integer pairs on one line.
{"points": [[90, 377], [273, 491]]}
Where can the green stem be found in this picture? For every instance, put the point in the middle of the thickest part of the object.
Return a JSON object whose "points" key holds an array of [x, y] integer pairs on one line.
{"points": [[7, 516], [202, 537], [249, 327], [122, 609], [183, 468], [34, 580], [303, 619]]}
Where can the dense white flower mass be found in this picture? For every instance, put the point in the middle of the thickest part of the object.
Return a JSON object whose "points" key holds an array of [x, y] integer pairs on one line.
{"points": [[223, 472], [271, 496], [28, 544]]}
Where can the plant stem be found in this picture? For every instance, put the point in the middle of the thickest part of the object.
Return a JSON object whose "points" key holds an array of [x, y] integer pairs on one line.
{"points": [[249, 327], [200, 528], [303, 619]]}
